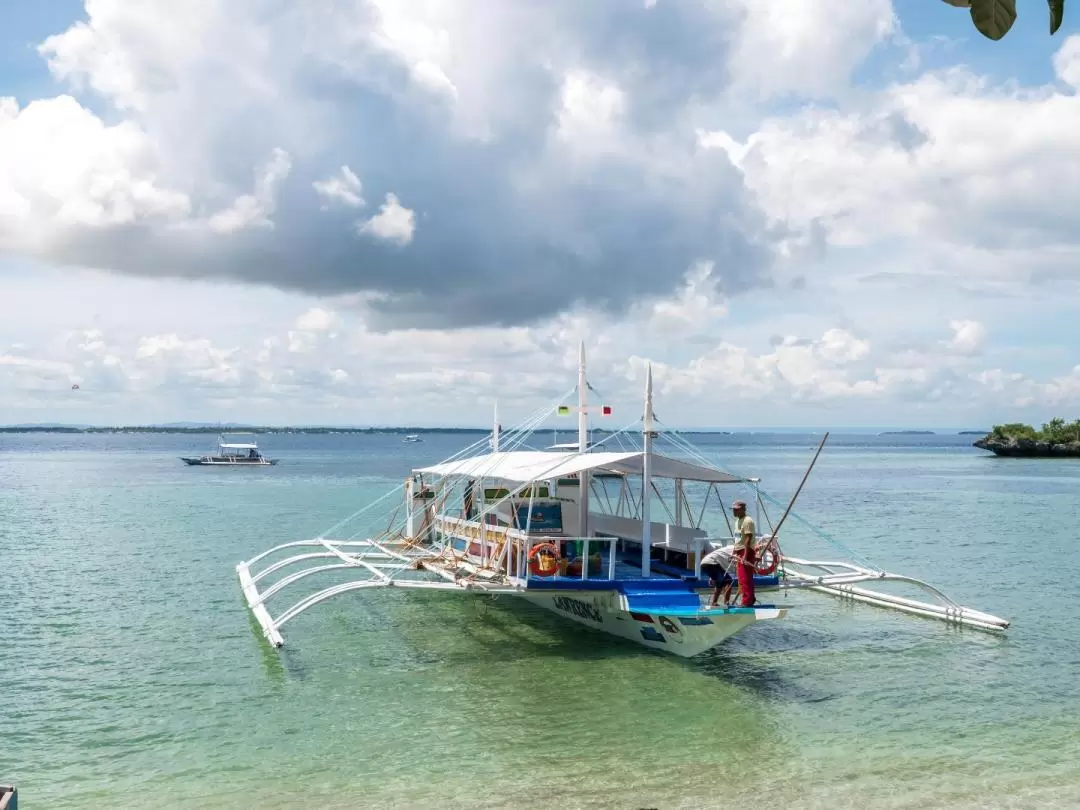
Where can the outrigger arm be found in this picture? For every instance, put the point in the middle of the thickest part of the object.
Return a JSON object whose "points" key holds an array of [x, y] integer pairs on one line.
{"points": [[841, 584], [385, 566], [838, 579]]}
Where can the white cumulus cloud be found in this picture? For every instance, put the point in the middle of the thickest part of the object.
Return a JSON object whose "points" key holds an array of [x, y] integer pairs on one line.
{"points": [[394, 222], [968, 336], [344, 188], [254, 210], [61, 167], [308, 207]]}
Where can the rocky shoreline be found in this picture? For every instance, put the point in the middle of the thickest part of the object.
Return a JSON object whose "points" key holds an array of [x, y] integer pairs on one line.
{"points": [[1027, 448]]}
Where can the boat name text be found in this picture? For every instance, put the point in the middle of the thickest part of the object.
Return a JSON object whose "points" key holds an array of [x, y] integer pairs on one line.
{"points": [[578, 608]]}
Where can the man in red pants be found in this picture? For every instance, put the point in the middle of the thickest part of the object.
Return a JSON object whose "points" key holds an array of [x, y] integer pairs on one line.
{"points": [[743, 553]]}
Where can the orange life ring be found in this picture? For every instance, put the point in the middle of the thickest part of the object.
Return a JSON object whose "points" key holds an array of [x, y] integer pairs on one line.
{"points": [[536, 568], [768, 558]]}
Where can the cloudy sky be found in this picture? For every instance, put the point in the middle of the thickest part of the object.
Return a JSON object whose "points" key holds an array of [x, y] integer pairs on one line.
{"points": [[396, 211]]}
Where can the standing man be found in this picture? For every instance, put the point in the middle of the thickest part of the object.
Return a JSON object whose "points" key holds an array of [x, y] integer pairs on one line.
{"points": [[743, 553]]}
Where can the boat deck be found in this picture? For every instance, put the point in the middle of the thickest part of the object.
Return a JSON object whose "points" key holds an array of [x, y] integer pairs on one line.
{"points": [[670, 590]]}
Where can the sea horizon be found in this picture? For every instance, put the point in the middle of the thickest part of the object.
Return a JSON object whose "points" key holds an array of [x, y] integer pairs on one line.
{"points": [[210, 427]]}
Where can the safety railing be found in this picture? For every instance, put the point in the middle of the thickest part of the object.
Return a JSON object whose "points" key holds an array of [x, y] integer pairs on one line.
{"points": [[490, 538], [583, 543]]}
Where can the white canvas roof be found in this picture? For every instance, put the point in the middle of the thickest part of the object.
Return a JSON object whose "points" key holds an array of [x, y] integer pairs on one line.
{"points": [[240, 446], [523, 466]]}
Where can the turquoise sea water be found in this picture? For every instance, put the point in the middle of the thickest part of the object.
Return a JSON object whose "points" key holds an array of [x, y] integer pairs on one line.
{"points": [[132, 677]]}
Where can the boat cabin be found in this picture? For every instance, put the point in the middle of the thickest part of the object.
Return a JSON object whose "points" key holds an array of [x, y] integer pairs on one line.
{"points": [[535, 497]]}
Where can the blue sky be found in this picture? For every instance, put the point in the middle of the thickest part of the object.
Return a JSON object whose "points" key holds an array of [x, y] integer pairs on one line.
{"points": [[250, 211], [23, 73], [1021, 55]]}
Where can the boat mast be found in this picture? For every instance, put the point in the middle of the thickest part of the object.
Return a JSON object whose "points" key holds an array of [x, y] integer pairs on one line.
{"points": [[583, 444], [646, 476], [495, 430]]}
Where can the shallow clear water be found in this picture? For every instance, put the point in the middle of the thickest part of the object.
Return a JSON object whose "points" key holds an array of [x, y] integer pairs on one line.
{"points": [[132, 675]]}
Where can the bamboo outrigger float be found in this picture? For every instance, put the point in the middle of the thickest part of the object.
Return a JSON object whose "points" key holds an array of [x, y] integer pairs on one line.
{"points": [[573, 531]]}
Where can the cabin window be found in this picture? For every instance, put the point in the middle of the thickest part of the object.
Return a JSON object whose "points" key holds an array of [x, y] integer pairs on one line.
{"points": [[499, 493]]}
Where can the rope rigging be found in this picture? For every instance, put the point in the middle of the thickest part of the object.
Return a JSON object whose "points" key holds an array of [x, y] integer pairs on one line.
{"points": [[769, 556], [677, 439]]}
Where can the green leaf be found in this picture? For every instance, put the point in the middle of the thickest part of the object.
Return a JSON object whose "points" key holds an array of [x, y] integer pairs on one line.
{"points": [[1057, 14], [993, 18]]}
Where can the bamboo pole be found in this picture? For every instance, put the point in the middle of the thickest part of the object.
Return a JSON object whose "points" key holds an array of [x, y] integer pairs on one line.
{"points": [[813, 461]]}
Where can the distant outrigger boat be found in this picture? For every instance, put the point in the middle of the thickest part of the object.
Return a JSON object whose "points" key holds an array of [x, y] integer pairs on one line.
{"points": [[232, 454], [412, 437], [500, 521]]}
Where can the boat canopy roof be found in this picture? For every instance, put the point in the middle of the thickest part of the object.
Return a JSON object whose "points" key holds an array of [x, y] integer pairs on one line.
{"points": [[523, 466], [239, 446]]}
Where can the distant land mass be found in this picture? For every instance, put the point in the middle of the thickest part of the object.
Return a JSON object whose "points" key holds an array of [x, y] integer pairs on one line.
{"points": [[1056, 439], [198, 428], [218, 425], [41, 426], [195, 428]]}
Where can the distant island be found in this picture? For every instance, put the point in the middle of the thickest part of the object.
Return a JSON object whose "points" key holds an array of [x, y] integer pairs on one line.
{"points": [[906, 433], [1056, 439], [201, 429], [195, 428]]}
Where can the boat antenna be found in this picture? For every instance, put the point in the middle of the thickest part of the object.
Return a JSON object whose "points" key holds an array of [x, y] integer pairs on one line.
{"points": [[583, 443], [646, 475]]}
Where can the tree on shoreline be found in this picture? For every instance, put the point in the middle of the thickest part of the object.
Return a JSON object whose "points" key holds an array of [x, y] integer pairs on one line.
{"points": [[1056, 431], [994, 18]]}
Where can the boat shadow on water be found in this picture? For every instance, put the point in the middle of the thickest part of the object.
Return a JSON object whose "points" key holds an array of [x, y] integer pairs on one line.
{"points": [[487, 632], [503, 630], [746, 661], [509, 630]]}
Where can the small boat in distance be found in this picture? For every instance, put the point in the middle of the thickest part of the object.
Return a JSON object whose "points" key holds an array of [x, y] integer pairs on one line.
{"points": [[232, 454], [412, 437]]}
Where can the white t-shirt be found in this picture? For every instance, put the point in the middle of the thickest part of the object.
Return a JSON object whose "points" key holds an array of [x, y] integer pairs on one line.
{"points": [[719, 556]]}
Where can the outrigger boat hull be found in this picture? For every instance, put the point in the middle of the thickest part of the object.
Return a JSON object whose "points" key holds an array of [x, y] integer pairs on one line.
{"points": [[682, 631], [664, 614]]}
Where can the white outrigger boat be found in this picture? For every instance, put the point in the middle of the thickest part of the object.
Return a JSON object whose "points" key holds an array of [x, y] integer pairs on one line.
{"points": [[232, 454], [574, 533]]}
